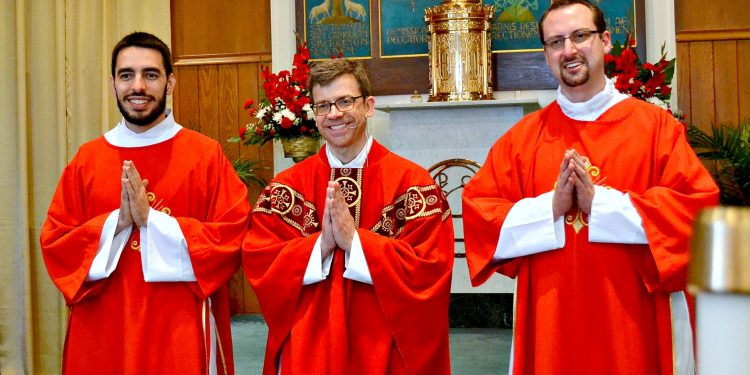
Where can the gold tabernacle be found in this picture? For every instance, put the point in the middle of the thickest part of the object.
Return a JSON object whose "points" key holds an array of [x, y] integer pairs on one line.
{"points": [[459, 49]]}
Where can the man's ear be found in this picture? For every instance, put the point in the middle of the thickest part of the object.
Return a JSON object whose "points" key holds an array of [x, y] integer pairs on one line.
{"points": [[369, 106], [112, 85], [171, 82], [607, 40]]}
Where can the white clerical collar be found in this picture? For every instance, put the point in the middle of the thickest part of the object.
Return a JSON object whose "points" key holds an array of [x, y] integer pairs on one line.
{"points": [[121, 136], [358, 161], [591, 109]]}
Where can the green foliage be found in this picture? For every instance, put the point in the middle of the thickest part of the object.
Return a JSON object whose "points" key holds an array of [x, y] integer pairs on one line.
{"points": [[729, 149], [248, 171]]}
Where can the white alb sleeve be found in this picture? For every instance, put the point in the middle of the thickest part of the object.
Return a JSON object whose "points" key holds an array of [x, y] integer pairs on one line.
{"points": [[614, 219], [164, 252], [317, 268], [356, 264], [529, 228], [110, 248]]}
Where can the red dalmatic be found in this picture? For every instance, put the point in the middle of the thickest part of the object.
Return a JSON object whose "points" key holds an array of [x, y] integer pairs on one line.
{"points": [[592, 308], [122, 324]]}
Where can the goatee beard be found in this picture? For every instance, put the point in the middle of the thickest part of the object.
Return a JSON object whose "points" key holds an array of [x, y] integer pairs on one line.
{"points": [[576, 80], [148, 119]]}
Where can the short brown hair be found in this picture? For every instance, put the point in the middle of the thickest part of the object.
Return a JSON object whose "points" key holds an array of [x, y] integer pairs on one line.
{"points": [[596, 12], [325, 72], [143, 40]]}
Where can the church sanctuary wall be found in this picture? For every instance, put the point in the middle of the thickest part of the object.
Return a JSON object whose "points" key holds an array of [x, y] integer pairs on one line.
{"points": [[218, 48], [659, 28], [713, 47]]}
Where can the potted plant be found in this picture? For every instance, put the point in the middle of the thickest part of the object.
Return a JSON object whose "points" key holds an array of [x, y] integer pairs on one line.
{"points": [[728, 149]]}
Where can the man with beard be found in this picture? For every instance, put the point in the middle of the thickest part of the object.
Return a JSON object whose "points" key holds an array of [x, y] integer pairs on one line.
{"points": [[143, 233], [589, 203], [351, 250]]}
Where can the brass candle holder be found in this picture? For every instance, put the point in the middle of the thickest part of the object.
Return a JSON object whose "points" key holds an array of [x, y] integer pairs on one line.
{"points": [[721, 251], [459, 50], [719, 275]]}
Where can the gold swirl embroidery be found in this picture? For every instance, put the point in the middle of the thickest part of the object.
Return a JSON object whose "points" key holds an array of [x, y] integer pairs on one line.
{"points": [[577, 222], [135, 245], [577, 219]]}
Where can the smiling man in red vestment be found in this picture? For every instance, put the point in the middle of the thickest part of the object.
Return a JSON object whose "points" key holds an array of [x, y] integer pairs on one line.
{"points": [[589, 203], [351, 250], [143, 233]]}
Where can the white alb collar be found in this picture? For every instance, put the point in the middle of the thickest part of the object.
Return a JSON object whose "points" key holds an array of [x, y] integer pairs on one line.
{"points": [[591, 109], [121, 136], [357, 162]]}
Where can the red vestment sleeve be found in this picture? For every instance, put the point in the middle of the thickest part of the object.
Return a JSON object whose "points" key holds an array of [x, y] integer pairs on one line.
{"points": [[274, 259], [214, 242], [68, 228], [668, 209], [486, 201], [411, 275]]}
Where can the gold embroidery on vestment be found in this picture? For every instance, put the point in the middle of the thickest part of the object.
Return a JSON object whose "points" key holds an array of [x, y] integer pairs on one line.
{"points": [[290, 205]]}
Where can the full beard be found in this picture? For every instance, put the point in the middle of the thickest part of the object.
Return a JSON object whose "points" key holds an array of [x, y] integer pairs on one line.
{"points": [[145, 118]]}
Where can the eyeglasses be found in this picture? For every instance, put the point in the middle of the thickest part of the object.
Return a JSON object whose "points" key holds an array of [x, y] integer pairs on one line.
{"points": [[577, 37], [344, 104]]}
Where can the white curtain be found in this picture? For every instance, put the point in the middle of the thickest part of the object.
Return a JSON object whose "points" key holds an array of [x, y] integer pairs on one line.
{"points": [[54, 64]]}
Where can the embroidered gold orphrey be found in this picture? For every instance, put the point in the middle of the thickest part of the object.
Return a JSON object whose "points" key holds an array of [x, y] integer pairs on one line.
{"points": [[290, 205], [350, 181], [416, 202], [579, 219]]}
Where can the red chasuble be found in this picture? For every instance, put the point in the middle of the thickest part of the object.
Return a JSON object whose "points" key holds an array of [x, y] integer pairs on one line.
{"points": [[397, 325], [122, 324], [592, 308]]}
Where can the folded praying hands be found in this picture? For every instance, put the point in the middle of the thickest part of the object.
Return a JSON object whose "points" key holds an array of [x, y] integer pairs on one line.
{"points": [[338, 224], [573, 185], [134, 207]]}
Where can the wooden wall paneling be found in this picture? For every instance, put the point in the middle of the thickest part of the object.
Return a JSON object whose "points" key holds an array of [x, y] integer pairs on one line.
{"points": [[227, 27], [743, 79], [228, 108], [702, 85], [208, 76], [725, 76], [698, 15], [682, 73], [186, 107]]}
